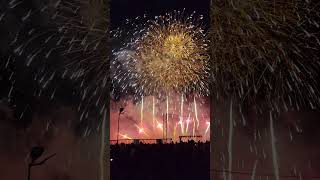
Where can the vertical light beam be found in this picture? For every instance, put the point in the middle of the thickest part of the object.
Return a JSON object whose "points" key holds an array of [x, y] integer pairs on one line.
{"points": [[103, 145], [196, 112], [141, 113], [181, 115], [274, 151], [254, 170], [153, 113], [167, 117], [230, 142]]}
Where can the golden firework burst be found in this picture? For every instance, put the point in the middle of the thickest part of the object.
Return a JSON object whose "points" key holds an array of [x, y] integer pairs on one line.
{"points": [[172, 56]]}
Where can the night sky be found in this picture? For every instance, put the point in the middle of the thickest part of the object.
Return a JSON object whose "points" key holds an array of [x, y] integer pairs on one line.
{"points": [[126, 9]]}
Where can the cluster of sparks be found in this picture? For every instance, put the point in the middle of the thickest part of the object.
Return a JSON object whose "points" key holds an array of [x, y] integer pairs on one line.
{"points": [[166, 54]]}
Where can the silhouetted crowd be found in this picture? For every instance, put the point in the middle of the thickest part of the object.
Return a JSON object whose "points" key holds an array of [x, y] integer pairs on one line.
{"points": [[181, 161]]}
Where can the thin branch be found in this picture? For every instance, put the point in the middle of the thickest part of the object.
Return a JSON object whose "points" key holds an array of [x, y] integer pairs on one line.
{"points": [[43, 161]]}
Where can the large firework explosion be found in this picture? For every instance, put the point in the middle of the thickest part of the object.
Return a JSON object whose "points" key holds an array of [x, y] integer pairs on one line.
{"points": [[266, 50], [164, 61], [164, 54]]}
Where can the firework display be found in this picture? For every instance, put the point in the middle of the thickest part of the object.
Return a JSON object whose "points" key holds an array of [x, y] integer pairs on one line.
{"points": [[165, 60], [165, 55], [250, 75], [168, 53], [259, 50], [266, 50]]}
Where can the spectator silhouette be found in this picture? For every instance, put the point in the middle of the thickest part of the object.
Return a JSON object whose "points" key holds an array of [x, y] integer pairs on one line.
{"points": [[186, 160]]}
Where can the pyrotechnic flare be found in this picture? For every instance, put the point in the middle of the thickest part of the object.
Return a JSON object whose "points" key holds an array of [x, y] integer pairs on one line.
{"points": [[167, 53], [160, 125], [124, 136]]}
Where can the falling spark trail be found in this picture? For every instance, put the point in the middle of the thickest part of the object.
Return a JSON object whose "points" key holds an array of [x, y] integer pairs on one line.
{"points": [[274, 151], [10, 92], [196, 116], [187, 126], [208, 126], [224, 174], [188, 121], [141, 120], [230, 142], [103, 145], [194, 127], [196, 112], [254, 170], [167, 116], [153, 113], [181, 114]]}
